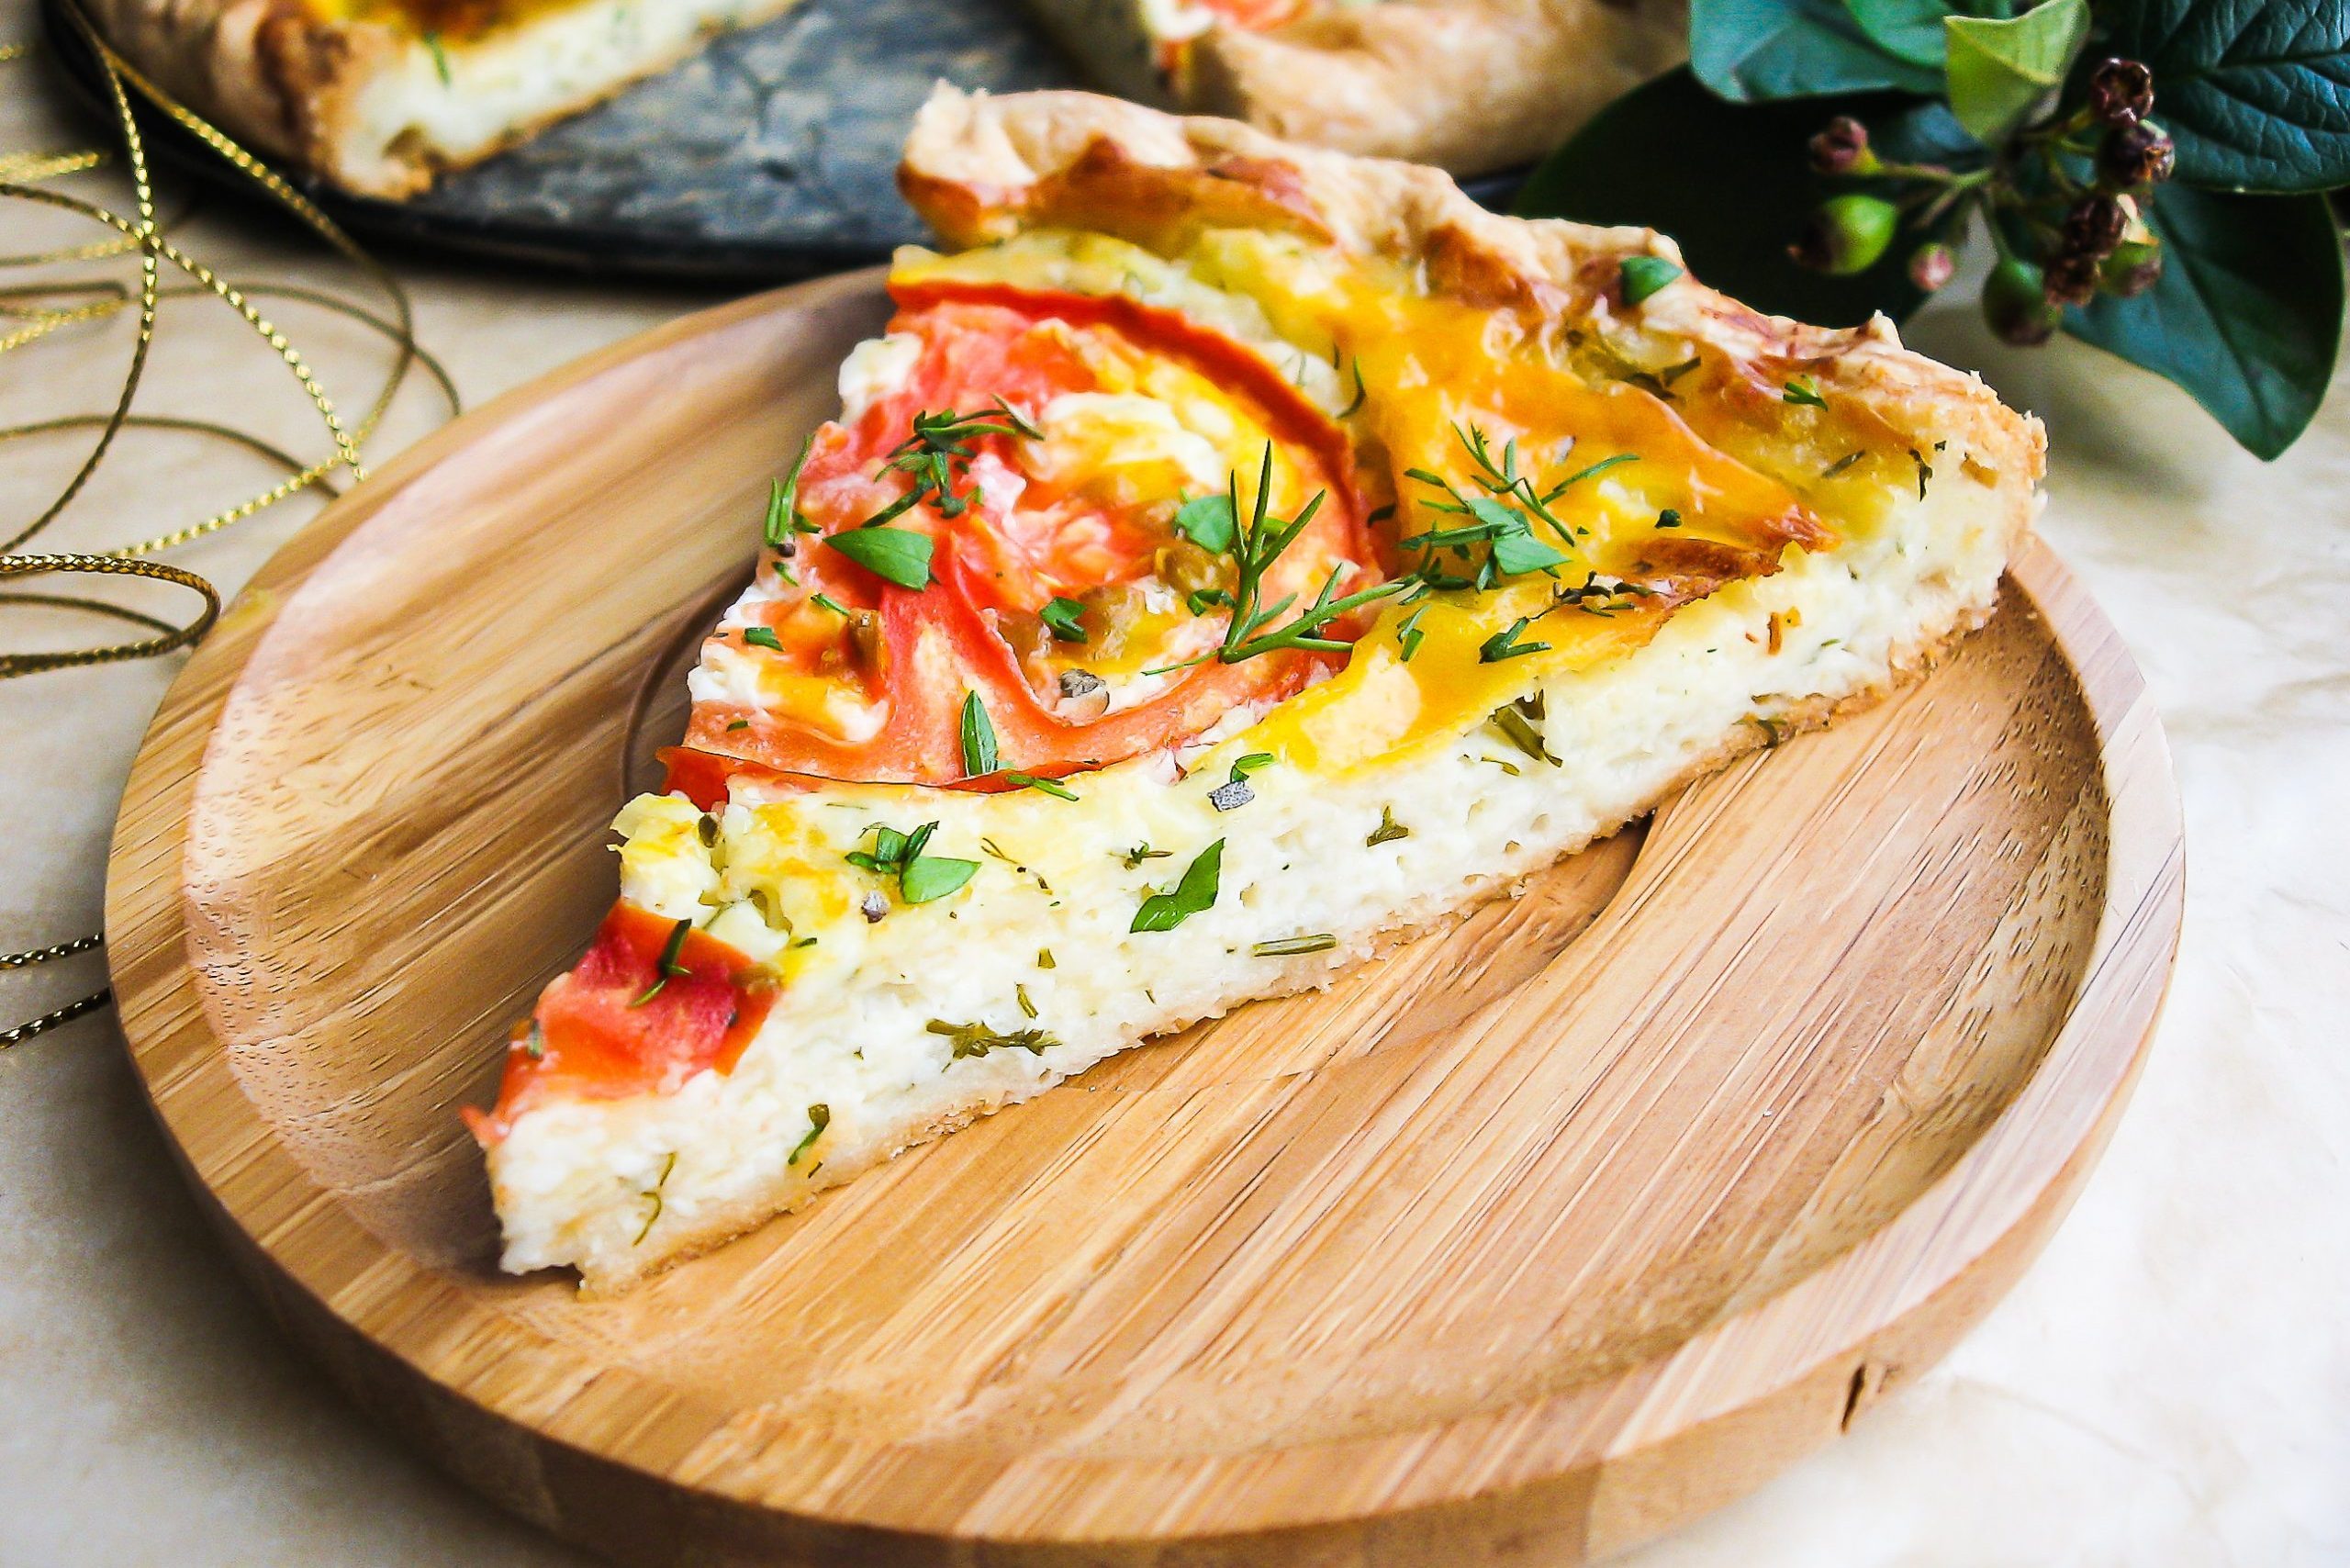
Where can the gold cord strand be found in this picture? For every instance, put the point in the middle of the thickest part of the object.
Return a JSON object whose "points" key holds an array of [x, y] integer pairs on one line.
{"points": [[34, 312]]}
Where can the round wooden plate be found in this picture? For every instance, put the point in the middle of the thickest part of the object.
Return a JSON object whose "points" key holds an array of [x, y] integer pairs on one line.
{"points": [[1522, 1245]]}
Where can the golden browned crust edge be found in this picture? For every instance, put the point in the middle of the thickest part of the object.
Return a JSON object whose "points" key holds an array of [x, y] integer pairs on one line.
{"points": [[288, 83], [1467, 85], [982, 168]]}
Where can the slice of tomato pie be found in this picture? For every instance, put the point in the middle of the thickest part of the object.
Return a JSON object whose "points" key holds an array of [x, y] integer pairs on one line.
{"points": [[380, 95], [1233, 557]]}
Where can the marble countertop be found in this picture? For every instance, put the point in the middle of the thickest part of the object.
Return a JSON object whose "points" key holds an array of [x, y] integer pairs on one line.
{"points": [[2169, 1384]]}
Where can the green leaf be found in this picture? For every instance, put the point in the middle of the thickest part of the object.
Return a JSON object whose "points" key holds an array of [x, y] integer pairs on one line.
{"points": [[762, 637], [1633, 164], [1909, 29], [1060, 618], [1196, 894], [1515, 549], [1207, 522], [2256, 93], [1999, 71], [1755, 50], [898, 553], [2247, 317], [1643, 276], [932, 877], [979, 737], [783, 518]]}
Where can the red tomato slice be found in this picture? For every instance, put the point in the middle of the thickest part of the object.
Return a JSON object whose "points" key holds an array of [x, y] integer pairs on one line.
{"points": [[616, 1025], [875, 674]]}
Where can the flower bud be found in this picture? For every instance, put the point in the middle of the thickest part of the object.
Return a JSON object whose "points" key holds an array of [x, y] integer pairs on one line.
{"points": [[2072, 280], [1930, 265], [1846, 235], [2015, 303], [1842, 148], [2136, 156], [2135, 266], [2094, 226], [2122, 92]]}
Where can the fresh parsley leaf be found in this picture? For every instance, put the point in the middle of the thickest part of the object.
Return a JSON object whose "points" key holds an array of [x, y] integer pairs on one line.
{"points": [[1644, 275], [1060, 618], [932, 877], [1208, 522], [1195, 893], [761, 637], [979, 737], [898, 554]]}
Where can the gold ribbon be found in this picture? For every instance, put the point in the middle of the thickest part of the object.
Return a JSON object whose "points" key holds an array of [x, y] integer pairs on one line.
{"points": [[35, 311]]}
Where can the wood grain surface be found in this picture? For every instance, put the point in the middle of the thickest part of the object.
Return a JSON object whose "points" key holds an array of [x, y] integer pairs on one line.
{"points": [[1521, 1245]]}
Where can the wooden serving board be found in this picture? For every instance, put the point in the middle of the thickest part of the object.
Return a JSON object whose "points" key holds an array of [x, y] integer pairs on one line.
{"points": [[1522, 1245]]}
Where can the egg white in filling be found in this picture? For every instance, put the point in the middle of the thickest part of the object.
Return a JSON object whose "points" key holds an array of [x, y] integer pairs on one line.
{"points": [[904, 1026]]}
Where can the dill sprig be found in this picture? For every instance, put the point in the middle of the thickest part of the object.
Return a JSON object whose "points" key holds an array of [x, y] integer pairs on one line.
{"points": [[1253, 547], [939, 452]]}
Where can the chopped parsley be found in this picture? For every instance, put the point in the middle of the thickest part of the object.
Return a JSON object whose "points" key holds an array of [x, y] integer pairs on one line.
{"points": [[1254, 549], [1388, 830], [898, 555], [819, 1119], [784, 517], [977, 1039], [1668, 518], [761, 637], [739, 725], [1194, 894], [667, 964], [1503, 645], [921, 877], [1643, 276], [1060, 618], [1052, 786], [1515, 722], [1284, 947], [1408, 633], [979, 737], [1242, 766]]}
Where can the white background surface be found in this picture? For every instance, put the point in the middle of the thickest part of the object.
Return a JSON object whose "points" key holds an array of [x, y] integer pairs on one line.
{"points": [[2169, 1384]]}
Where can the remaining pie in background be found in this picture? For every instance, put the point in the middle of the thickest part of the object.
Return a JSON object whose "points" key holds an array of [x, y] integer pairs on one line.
{"points": [[379, 96], [1233, 557], [1468, 85]]}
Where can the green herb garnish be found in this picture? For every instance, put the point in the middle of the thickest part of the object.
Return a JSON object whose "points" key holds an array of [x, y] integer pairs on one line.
{"points": [[1841, 464], [1287, 947], [829, 603], [977, 1039], [1388, 830], [762, 637], [979, 737], [659, 1181], [1060, 618], [1643, 276], [898, 554], [433, 47], [1195, 893], [921, 877], [939, 452], [1142, 852], [1515, 722], [1801, 391], [1505, 645], [1254, 549], [667, 964], [1408, 633], [1052, 786], [1020, 995], [784, 518], [819, 1119], [1242, 766]]}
